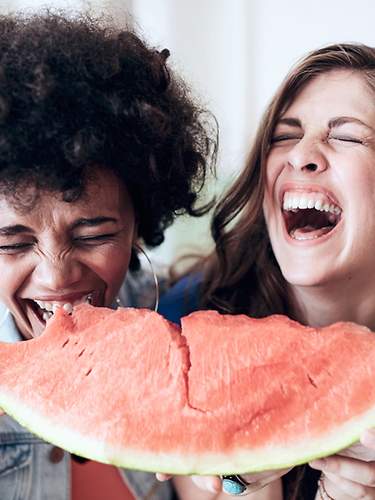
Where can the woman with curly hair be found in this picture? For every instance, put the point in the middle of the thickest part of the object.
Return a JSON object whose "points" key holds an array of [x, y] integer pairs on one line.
{"points": [[295, 235], [101, 146]]}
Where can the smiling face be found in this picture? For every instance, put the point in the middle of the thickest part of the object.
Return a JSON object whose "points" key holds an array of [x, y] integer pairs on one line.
{"points": [[319, 201], [58, 253]]}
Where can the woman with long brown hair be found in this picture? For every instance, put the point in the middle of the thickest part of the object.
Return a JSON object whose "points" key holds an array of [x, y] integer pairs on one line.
{"points": [[295, 235]]}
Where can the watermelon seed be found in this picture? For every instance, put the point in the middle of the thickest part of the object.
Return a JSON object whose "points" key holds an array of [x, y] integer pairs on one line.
{"points": [[88, 372], [66, 341], [284, 389], [80, 354], [312, 381]]}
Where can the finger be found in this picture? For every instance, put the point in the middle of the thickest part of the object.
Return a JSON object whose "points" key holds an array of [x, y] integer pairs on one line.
{"points": [[368, 438], [360, 452], [338, 487], [208, 483], [160, 476], [347, 468], [264, 477]]}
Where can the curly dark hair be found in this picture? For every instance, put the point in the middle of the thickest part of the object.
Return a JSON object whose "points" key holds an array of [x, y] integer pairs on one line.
{"points": [[77, 93]]}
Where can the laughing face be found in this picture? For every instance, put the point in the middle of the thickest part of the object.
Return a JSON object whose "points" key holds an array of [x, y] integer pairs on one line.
{"points": [[319, 201], [59, 254]]}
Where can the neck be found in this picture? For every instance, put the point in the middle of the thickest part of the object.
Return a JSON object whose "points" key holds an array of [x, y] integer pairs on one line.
{"points": [[319, 306]]}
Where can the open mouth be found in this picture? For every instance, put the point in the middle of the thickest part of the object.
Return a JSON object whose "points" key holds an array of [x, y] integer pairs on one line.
{"points": [[309, 216], [44, 310]]}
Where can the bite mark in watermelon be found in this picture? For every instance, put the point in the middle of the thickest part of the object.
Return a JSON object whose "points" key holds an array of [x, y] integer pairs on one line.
{"points": [[228, 394]]}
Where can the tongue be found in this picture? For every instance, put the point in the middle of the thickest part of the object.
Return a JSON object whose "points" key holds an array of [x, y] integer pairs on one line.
{"points": [[309, 232]]}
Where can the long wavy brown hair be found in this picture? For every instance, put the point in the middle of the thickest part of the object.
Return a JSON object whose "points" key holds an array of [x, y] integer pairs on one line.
{"points": [[242, 273]]}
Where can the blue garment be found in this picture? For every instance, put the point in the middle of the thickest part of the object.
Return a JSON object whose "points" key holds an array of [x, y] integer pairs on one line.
{"points": [[31, 469], [181, 299]]}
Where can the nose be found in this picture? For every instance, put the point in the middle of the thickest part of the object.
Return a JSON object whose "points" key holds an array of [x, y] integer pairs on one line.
{"points": [[57, 273], [307, 156]]}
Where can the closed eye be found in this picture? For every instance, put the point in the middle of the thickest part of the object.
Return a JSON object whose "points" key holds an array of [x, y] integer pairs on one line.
{"points": [[94, 238], [346, 138], [16, 247], [284, 138], [20, 247]]}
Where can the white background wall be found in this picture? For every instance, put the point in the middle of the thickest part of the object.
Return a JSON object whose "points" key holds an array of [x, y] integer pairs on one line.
{"points": [[234, 53]]}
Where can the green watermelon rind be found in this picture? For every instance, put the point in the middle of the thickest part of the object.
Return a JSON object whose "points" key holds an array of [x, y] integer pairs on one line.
{"points": [[239, 461]]}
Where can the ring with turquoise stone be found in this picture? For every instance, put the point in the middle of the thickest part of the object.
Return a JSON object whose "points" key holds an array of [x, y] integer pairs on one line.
{"points": [[235, 485]]}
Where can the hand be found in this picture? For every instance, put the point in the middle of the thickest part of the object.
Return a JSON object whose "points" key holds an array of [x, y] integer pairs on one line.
{"points": [[214, 484], [351, 473]]}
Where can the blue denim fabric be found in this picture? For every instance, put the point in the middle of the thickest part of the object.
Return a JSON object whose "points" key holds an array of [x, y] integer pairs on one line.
{"points": [[26, 470], [27, 473]]}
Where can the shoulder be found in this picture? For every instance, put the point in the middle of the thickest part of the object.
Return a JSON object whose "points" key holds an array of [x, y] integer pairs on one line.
{"points": [[182, 298]]}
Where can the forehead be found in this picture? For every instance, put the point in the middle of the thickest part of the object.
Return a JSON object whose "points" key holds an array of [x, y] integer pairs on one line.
{"points": [[335, 93], [104, 194]]}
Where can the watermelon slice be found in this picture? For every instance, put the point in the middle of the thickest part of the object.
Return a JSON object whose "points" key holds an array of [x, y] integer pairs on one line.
{"points": [[228, 394]]}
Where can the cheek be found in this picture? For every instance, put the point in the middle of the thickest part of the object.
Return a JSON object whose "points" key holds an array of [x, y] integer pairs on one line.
{"points": [[358, 188], [361, 185], [115, 269], [110, 264], [269, 192], [273, 169], [266, 207], [14, 273]]}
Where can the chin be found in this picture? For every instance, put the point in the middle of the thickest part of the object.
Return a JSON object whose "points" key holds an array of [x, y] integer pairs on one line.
{"points": [[307, 277]]}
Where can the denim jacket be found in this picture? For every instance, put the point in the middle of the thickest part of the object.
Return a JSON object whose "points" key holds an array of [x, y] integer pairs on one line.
{"points": [[31, 469]]}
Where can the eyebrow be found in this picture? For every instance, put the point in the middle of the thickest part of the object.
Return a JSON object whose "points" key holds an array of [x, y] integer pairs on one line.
{"points": [[342, 120], [13, 230], [95, 221], [85, 222], [333, 122], [292, 122]]}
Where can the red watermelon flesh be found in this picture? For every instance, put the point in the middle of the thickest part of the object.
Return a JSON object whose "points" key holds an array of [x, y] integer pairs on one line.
{"points": [[228, 394]]}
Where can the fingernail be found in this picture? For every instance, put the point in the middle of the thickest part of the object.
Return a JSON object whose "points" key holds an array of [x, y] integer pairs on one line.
{"points": [[233, 487], [368, 437], [317, 464]]}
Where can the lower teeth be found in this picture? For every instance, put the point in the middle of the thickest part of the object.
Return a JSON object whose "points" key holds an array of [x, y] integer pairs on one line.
{"points": [[305, 236]]}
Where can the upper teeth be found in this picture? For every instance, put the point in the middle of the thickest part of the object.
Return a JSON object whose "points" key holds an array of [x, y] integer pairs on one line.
{"points": [[293, 201], [68, 306]]}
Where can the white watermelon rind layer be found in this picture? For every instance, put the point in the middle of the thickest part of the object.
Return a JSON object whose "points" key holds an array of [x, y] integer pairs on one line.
{"points": [[236, 462]]}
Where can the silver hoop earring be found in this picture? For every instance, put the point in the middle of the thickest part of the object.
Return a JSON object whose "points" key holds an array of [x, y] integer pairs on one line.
{"points": [[155, 278]]}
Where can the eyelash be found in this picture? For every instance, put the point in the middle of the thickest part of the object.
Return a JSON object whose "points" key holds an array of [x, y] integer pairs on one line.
{"points": [[17, 247], [14, 248], [95, 238], [348, 139], [282, 138]]}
